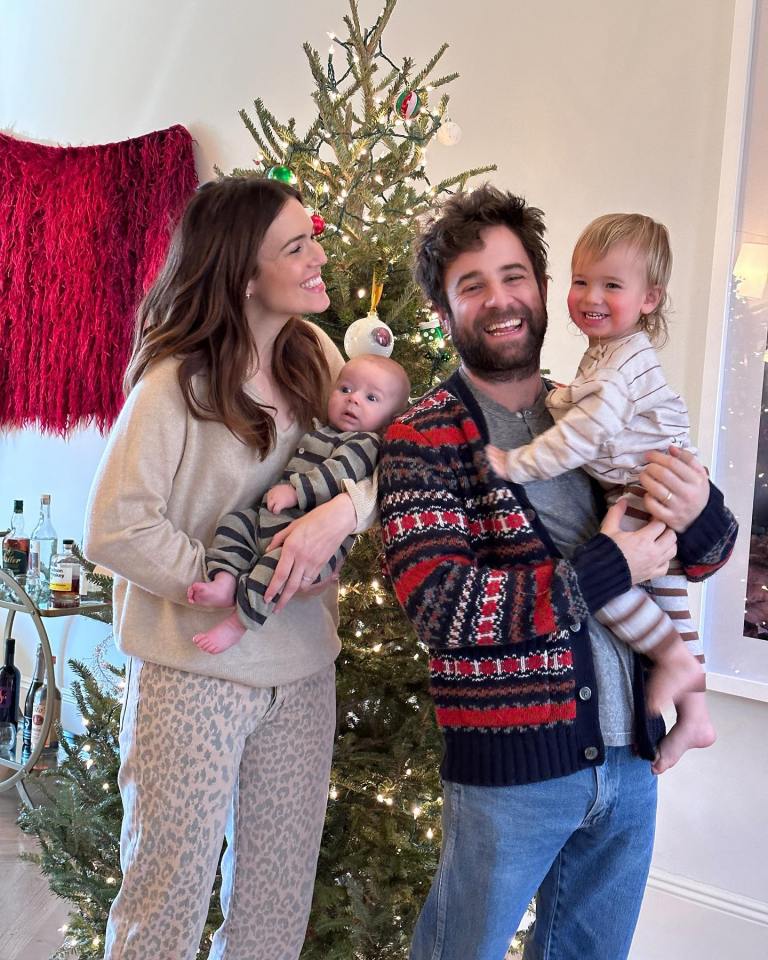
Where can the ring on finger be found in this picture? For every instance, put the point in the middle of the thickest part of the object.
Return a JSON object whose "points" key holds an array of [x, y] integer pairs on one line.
{"points": [[668, 497], [309, 579]]}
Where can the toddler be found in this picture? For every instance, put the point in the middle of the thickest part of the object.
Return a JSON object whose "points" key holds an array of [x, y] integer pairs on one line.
{"points": [[369, 393], [617, 409]]}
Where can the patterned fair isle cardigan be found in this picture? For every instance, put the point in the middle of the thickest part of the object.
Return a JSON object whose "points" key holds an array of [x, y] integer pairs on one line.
{"points": [[502, 612]]}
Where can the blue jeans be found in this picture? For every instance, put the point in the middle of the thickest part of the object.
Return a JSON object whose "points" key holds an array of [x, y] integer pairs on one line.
{"points": [[583, 841]]}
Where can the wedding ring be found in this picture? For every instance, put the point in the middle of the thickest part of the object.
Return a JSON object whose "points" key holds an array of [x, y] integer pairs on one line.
{"points": [[668, 497], [308, 578]]}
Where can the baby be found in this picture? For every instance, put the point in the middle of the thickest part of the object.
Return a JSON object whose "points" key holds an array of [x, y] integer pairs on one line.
{"points": [[617, 409], [369, 393]]}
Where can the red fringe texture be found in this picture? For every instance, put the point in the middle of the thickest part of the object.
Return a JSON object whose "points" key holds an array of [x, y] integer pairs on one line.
{"points": [[83, 232]]}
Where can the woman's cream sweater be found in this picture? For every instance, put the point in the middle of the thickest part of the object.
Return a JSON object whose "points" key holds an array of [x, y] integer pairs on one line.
{"points": [[164, 481]]}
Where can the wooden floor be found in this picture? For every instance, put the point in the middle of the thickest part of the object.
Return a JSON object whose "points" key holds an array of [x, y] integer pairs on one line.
{"points": [[32, 915]]}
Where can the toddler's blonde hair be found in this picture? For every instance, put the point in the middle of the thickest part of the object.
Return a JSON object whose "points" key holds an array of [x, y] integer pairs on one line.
{"points": [[651, 240]]}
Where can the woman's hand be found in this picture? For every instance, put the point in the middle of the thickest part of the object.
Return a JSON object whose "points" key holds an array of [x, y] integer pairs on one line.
{"points": [[677, 487], [308, 544]]}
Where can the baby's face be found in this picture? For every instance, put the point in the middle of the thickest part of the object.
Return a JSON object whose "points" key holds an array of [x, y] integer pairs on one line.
{"points": [[365, 397]]}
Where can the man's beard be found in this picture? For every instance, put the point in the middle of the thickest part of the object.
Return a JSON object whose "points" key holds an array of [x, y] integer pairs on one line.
{"points": [[517, 360]]}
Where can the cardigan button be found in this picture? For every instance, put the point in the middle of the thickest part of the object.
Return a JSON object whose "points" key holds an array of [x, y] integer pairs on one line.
{"points": [[585, 693], [530, 515], [575, 627], [591, 753]]}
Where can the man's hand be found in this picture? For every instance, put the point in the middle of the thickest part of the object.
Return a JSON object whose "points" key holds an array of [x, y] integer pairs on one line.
{"points": [[677, 487], [280, 497], [647, 550]]}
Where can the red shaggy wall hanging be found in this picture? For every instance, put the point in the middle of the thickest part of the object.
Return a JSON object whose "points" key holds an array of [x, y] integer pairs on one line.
{"points": [[83, 231]]}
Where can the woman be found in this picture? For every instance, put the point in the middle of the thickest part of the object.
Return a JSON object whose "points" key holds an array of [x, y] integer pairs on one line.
{"points": [[223, 379]]}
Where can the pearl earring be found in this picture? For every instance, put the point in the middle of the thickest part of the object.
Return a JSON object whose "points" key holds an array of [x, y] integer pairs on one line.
{"points": [[248, 294]]}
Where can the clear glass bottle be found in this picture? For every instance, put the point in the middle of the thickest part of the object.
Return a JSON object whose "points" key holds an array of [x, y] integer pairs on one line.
{"points": [[16, 543], [29, 705], [49, 754], [43, 544], [65, 577]]}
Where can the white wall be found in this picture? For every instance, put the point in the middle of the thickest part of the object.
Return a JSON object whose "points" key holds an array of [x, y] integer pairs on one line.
{"points": [[587, 108]]}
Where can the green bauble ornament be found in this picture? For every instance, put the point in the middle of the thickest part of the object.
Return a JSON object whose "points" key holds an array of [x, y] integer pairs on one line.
{"points": [[283, 174], [408, 104]]}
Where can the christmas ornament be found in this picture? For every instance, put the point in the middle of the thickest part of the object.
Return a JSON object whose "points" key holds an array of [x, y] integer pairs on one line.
{"points": [[369, 334], [431, 331], [318, 224], [283, 174], [408, 104], [449, 133]]}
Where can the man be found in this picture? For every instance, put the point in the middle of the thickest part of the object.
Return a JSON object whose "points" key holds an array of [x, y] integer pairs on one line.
{"points": [[546, 771]]}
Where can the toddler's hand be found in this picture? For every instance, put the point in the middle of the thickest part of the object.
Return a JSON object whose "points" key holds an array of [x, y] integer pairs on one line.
{"points": [[280, 497], [498, 460]]}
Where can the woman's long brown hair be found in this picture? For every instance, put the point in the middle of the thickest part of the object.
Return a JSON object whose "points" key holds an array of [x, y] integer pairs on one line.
{"points": [[194, 311]]}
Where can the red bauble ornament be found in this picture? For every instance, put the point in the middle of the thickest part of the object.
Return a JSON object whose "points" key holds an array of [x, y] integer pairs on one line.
{"points": [[318, 224]]}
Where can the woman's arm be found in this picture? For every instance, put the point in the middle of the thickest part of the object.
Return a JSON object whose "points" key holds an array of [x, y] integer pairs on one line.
{"points": [[308, 544], [126, 528]]}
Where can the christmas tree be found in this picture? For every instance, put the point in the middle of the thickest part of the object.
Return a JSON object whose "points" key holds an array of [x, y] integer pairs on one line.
{"points": [[362, 169]]}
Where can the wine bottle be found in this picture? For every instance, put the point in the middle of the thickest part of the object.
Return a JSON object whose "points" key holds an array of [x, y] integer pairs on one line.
{"points": [[29, 705], [16, 543], [49, 754], [10, 686]]}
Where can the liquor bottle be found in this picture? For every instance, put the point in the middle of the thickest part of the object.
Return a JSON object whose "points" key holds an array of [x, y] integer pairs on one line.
{"points": [[16, 543], [49, 754], [10, 686], [43, 543], [65, 577], [29, 705]]}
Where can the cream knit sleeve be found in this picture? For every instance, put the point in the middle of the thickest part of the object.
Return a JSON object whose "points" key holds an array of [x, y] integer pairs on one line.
{"points": [[127, 529]]}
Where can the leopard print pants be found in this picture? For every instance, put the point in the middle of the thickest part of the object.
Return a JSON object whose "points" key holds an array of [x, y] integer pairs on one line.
{"points": [[204, 759]]}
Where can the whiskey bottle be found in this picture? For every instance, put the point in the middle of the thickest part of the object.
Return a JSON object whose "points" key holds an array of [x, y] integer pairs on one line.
{"points": [[16, 543], [65, 577]]}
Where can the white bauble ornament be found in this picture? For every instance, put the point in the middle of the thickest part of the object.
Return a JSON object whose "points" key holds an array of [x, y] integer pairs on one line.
{"points": [[368, 335], [449, 133]]}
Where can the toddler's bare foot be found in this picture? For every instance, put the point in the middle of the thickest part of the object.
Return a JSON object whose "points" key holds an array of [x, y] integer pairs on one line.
{"points": [[221, 637], [683, 736], [674, 674], [219, 592]]}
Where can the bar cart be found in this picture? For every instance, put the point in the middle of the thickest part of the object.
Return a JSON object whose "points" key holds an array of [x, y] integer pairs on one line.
{"points": [[14, 599]]}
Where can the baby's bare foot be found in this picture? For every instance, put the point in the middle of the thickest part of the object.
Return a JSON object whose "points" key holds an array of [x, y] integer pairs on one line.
{"points": [[685, 735], [221, 637], [219, 592], [675, 674]]}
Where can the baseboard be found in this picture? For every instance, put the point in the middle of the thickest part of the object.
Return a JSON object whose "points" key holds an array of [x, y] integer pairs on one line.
{"points": [[709, 897]]}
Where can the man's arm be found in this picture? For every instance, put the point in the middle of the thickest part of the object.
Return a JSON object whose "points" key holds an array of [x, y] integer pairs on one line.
{"points": [[679, 493], [449, 593]]}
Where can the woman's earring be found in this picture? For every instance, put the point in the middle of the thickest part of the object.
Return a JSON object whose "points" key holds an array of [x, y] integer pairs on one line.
{"points": [[248, 294]]}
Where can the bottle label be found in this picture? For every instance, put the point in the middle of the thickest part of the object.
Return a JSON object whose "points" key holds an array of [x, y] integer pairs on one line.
{"points": [[15, 556], [33, 569], [64, 576]]}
